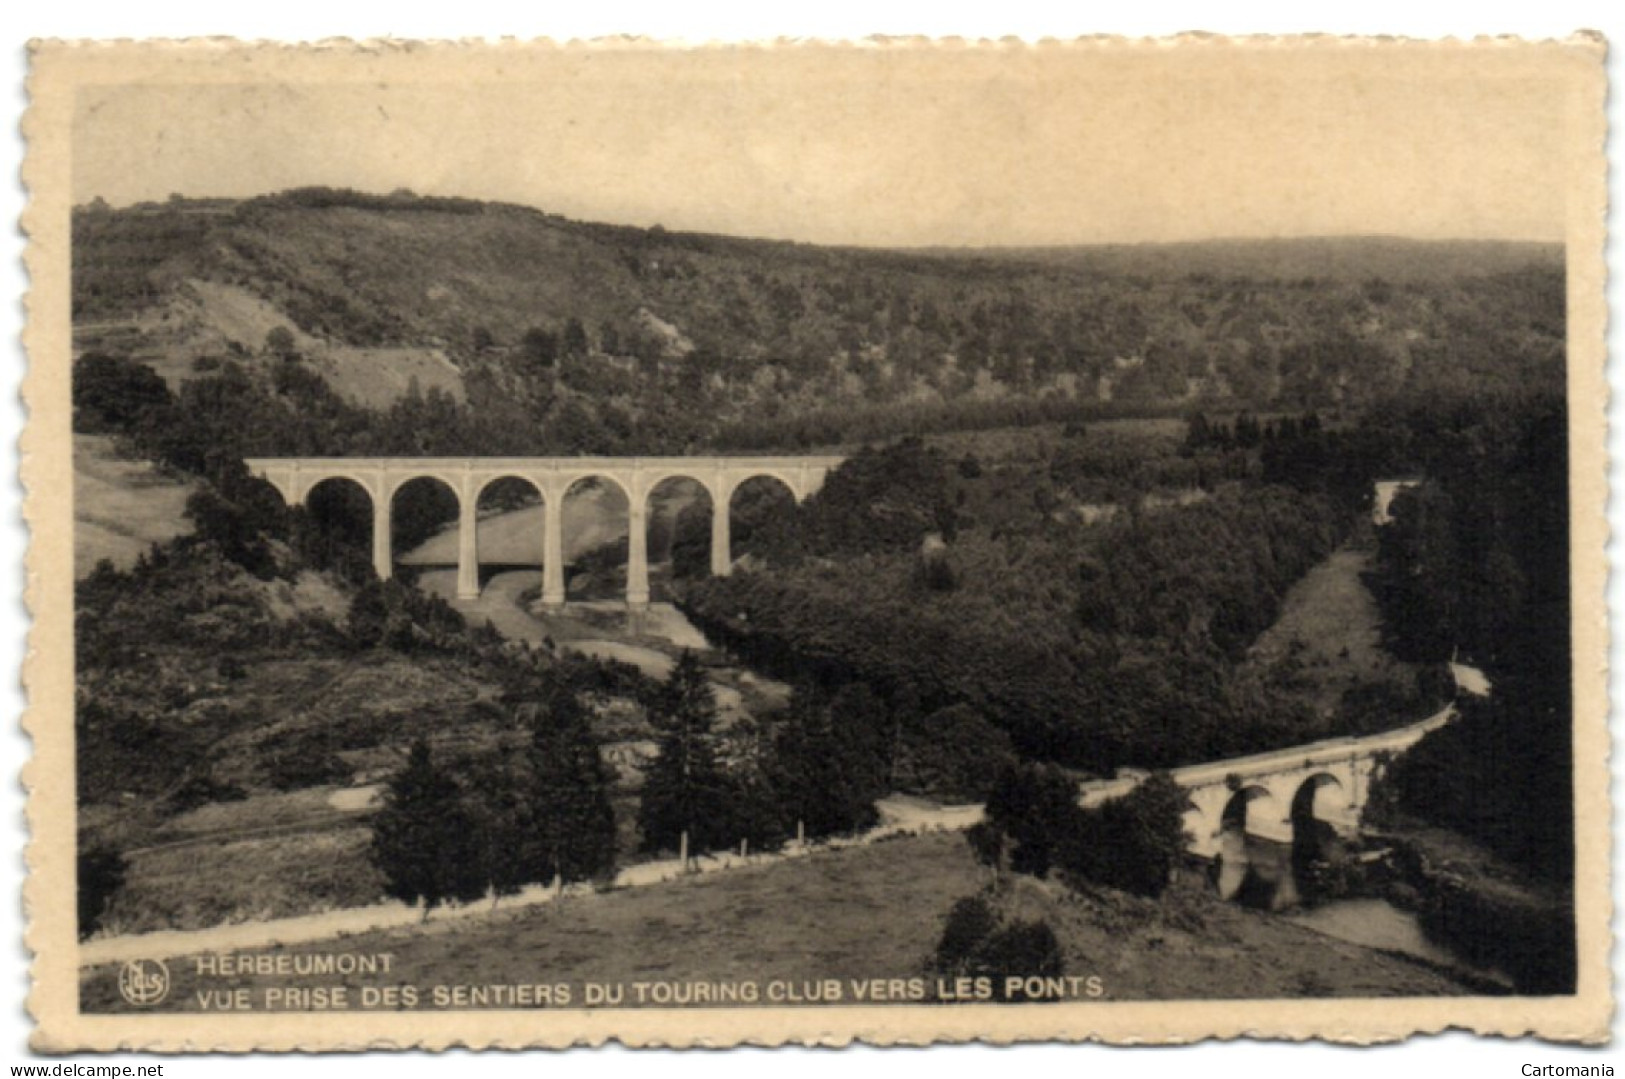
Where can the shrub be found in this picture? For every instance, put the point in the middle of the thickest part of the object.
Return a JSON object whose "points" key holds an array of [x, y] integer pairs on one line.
{"points": [[1021, 950], [975, 945], [114, 393], [279, 342], [391, 614], [987, 843], [1036, 806], [969, 924], [1134, 842]]}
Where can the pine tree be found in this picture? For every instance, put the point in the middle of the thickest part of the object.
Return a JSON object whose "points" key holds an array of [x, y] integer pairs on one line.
{"points": [[497, 805], [571, 822], [826, 774], [422, 839], [685, 789], [755, 815]]}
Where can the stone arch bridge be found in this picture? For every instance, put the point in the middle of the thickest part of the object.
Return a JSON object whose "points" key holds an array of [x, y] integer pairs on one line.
{"points": [[1269, 794], [552, 477]]}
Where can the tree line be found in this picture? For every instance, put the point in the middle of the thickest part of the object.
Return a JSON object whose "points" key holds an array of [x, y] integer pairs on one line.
{"points": [[541, 812]]}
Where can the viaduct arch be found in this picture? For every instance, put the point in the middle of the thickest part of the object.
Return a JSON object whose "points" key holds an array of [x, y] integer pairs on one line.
{"points": [[382, 477], [1266, 793]]}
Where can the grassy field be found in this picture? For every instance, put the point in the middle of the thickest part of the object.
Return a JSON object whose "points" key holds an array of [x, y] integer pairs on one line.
{"points": [[246, 879], [120, 507], [1327, 642], [866, 912]]}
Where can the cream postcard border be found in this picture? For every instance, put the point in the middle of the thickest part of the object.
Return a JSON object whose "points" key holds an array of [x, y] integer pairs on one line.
{"points": [[58, 67]]}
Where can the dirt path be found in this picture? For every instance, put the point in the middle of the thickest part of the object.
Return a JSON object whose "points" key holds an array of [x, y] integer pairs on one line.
{"points": [[499, 603]]}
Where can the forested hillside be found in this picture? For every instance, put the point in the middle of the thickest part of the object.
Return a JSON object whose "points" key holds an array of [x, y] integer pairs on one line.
{"points": [[1475, 566], [579, 336], [1093, 594]]}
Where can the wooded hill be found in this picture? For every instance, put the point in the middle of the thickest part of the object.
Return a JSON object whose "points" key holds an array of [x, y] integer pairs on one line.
{"points": [[598, 326]]}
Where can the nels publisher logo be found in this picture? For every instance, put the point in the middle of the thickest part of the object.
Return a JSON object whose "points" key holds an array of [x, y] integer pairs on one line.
{"points": [[144, 982]]}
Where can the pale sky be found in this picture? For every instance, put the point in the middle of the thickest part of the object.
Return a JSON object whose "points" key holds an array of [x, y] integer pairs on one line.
{"points": [[881, 147]]}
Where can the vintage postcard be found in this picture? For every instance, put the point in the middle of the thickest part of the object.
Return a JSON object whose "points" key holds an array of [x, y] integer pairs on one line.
{"points": [[897, 542]]}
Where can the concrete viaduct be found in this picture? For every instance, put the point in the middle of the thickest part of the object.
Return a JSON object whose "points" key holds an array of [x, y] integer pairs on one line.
{"points": [[552, 477], [1264, 794]]}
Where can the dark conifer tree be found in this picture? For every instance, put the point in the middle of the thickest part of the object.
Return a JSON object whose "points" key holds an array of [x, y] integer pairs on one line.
{"points": [[827, 778], [571, 821], [421, 839], [497, 806], [685, 789]]}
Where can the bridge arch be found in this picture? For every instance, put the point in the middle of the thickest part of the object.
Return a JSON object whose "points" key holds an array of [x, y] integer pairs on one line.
{"points": [[496, 486], [394, 483], [420, 507], [1253, 810], [301, 487], [648, 481], [617, 505], [505, 523], [789, 482], [344, 511], [682, 524], [1321, 796], [760, 486], [327, 489], [605, 477]]}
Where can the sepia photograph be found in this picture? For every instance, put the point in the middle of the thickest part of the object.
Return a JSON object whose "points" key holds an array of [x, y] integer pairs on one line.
{"points": [[535, 544]]}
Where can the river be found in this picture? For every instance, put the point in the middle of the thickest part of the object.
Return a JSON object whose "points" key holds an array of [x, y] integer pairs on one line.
{"points": [[1259, 873]]}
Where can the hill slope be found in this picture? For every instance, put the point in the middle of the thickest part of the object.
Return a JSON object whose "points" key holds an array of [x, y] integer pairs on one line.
{"points": [[501, 297], [858, 914]]}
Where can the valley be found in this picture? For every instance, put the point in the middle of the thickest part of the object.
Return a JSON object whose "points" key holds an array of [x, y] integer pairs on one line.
{"points": [[1089, 524]]}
